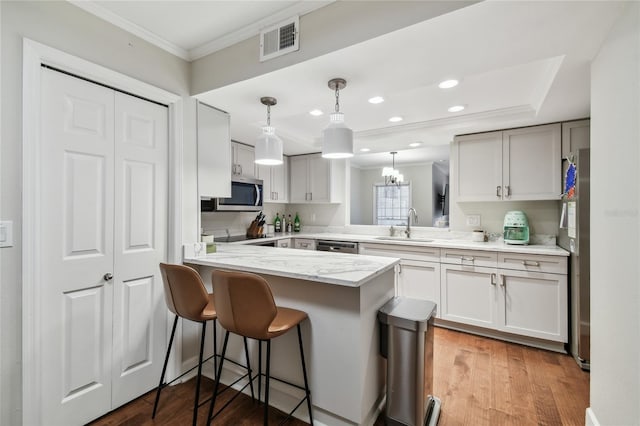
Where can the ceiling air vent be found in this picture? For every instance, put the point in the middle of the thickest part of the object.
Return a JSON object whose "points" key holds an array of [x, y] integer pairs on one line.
{"points": [[279, 39]]}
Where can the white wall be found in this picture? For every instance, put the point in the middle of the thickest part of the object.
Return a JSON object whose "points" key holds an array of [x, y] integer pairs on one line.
{"points": [[64, 27], [615, 233]]}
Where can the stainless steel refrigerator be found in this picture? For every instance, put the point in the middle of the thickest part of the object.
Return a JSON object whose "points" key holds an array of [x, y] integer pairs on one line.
{"points": [[574, 237]]}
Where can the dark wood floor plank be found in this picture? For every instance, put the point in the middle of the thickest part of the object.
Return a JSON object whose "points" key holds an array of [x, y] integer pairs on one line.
{"points": [[480, 381]]}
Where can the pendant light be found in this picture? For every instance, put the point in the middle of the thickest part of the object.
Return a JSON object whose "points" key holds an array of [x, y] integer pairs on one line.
{"points": [[390, 174], [337, 139], [268, 146]]}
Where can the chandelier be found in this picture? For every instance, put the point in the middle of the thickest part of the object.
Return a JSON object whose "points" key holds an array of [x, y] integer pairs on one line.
{"points": [[390, 174]]}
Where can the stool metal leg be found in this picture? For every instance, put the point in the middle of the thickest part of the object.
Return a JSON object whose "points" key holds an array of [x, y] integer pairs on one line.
{"points": [[259, 369], [266, 383], [197, 399], [218, 375], [246, 354], [215, 347], [304, 374], [164, 367]]}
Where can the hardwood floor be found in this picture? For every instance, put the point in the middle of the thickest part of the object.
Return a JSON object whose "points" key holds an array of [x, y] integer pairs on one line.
{"points": [[480, 381]]}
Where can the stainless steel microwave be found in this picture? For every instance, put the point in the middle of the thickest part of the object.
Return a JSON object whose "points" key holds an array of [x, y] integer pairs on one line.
{"points": [[246, 196]]}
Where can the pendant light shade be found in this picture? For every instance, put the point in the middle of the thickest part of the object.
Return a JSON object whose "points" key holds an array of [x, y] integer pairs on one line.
{"points": [[337, 138], [268, 149]]}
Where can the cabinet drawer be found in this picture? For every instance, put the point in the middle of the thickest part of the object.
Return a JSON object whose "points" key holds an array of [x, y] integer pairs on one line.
{"points": [[305, 244], [533, 263], [469, 257], [284, 243], [425, 254]]}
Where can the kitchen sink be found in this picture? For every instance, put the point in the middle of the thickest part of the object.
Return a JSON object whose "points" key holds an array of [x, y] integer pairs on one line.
{"points": [[417, 240]]}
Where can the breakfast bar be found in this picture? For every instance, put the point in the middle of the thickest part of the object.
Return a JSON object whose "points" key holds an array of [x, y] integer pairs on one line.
{"points": [[341, 293]]}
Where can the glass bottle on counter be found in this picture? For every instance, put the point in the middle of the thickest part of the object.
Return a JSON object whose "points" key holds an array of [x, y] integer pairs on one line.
{"points": [[296, 223], [289, 224], [277, 224]]}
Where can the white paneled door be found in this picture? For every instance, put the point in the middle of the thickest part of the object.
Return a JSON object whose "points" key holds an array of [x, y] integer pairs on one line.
{"points": [[103, 224]]}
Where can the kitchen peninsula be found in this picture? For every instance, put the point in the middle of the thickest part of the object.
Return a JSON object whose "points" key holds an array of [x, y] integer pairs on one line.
{"points": [[341, 294]]}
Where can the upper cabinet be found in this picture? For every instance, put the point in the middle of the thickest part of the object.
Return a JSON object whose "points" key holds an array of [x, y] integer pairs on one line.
{"points": [[314, 179], [575, 135], [214, 152], [243, 160], [517, 164], [276, 182]]}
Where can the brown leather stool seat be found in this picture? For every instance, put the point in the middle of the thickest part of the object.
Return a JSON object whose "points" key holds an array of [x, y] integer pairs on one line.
{"points": [[187, 297], [246, 307]]}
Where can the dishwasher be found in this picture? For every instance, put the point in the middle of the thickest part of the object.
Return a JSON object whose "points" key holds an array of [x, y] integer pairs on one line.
{"points": [[337, 246]]}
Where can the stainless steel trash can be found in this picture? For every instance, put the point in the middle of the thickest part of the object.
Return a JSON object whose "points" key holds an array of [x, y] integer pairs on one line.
{"points": [[406, 340]]}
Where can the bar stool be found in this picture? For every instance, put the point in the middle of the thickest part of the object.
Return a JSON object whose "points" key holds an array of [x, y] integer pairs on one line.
{"points": [[246, 308], [187, 297]]}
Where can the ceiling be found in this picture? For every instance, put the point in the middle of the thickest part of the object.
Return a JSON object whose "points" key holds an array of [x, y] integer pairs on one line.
{"points": [[519, 63]]}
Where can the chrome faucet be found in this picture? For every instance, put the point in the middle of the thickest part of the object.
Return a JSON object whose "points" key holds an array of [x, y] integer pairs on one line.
{"points": [[415, 220]]}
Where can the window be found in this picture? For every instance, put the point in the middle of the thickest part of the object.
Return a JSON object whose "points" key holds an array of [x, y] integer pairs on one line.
{"points": [[391, 203]]}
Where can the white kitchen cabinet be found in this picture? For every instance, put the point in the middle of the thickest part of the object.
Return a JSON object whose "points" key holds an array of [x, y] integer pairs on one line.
{"points": [[284, 243], [418, 273], [243, 160], [468, 295], [517, 164], [276, 181], [314, 179], [516, 293], [575, 135], [533, 304], [533, 296], [304, 243], [214, 152]]}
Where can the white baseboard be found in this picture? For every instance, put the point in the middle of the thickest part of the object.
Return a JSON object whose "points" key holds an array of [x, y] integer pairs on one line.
{"points": [[590, 418]]}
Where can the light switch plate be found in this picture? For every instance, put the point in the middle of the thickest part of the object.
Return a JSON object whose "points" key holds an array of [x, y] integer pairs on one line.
{"points": [[6, 233], [473, 220]]}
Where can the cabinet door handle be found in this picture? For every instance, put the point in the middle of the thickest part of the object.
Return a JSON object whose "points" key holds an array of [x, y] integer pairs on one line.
{"points": [[466, 259], [311, 196], [305, 245], [508, 191], [493, 279], [284, 245], [276, 196], [399, 268], [530, 263], [499, 191], [240, 167], [503, 280], [108, 276]]}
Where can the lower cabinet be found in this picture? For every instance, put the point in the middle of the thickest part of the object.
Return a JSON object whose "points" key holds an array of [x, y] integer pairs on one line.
{"points": [[418, 274], [304, 243], [285, 243], [469, 295], [529, 299], [420, 280], [533, 304]]}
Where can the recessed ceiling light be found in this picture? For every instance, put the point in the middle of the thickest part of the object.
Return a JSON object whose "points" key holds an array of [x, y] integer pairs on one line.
{"points": [[376, 100], [365, 149], [415, 144], [456, 108], [395, 119], [315, 112], [448, 84]]}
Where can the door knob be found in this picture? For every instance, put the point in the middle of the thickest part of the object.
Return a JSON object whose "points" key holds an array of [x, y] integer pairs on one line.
{"points": [[108, 276]]}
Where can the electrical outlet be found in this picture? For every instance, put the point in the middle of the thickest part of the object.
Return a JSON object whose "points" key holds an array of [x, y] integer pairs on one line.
{"points": [[473, 220]]}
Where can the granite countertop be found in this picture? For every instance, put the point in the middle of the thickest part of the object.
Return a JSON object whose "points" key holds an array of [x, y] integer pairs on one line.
{"points": [[497, 246], [351, 270]]}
